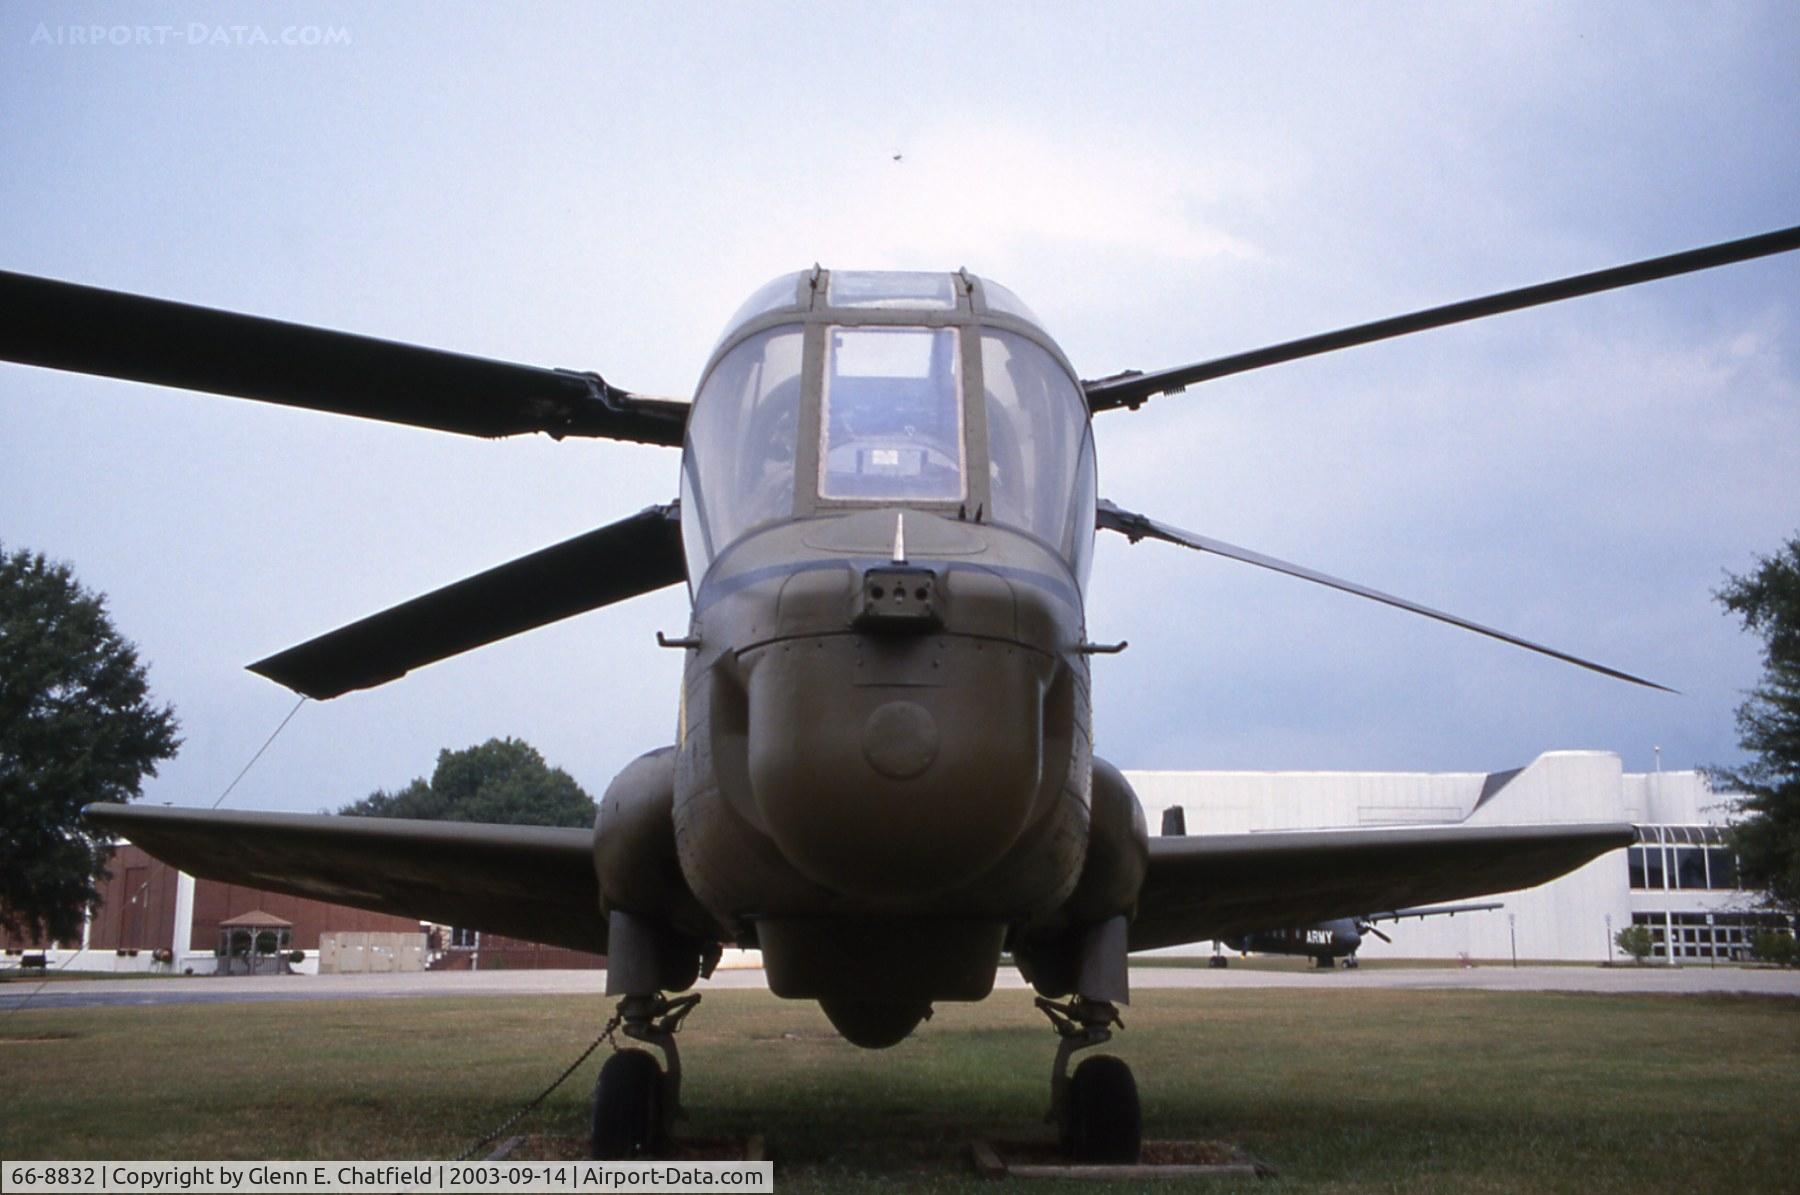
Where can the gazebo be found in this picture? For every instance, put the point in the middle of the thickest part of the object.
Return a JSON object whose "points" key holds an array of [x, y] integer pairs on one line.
{"points": [[253, 943]]}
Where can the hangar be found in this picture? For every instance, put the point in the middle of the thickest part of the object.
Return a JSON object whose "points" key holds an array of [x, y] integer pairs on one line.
{"points": [[1680, 880]]}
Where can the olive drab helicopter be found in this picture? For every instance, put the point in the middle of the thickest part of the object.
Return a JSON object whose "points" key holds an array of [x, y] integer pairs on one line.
{"points": [[882, 775]]}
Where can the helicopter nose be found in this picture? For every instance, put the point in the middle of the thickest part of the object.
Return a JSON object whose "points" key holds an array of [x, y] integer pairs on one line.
{"points": [[892, 790]]}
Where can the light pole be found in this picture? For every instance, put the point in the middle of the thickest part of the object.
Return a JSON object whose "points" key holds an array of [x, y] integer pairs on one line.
{"points": [[1609, 940], [1512, 932]]}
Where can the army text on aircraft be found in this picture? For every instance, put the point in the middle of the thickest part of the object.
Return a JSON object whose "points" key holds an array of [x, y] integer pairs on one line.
{"points": [[1338, 938]]}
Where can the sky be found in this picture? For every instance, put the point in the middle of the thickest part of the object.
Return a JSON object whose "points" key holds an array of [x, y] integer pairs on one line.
{"points": [[598, 187]]}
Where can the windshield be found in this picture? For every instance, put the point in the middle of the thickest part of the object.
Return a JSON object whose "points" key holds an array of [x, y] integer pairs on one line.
{"points": [[892, 426], [1040, 451], [739, 467]]}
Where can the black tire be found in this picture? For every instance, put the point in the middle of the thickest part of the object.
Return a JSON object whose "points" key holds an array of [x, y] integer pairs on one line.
{"points": [[627, 1109], [1105, 1125]]}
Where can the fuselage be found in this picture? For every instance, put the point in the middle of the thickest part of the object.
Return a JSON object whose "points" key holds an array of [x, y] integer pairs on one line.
{"points": [[1335, 939], [885, 728]]}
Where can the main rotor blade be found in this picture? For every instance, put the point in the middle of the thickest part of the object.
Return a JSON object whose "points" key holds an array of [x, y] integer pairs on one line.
{"points": [[615, 562], [1137, 526], [1132, 388], [62, 325]]}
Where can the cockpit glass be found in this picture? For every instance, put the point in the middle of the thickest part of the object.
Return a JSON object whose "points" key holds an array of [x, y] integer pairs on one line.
{"points": [[776, 295], [892, 289], [1003, 301], [1040, 450], [739, 473], [892, 426]]}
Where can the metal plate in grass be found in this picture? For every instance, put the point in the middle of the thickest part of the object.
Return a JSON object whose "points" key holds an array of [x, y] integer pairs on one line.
{"points": [[1160, 1160]]}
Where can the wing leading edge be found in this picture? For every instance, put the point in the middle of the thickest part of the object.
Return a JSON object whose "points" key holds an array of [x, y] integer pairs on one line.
{"points": [[1211, 886], [531, 882]]}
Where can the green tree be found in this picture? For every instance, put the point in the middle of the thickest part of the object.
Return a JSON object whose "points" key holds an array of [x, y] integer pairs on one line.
{"points": [[1636, 941], [1767, 836], [502, 780], [76, 726]]}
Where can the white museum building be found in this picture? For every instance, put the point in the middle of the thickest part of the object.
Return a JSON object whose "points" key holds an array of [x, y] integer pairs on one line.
{"points": [[1680, 880]]}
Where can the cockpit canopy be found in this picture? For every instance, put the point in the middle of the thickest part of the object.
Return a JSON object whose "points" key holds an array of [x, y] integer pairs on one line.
{"points": [[842, 390]]}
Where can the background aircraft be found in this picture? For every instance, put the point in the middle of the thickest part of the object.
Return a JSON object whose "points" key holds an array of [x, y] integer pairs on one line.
{"points": [[883, 774], [1340, 938]]}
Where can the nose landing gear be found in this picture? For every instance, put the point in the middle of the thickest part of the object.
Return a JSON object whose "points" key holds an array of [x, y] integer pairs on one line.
{"points": [[636, 1101], [1096, 1109]]}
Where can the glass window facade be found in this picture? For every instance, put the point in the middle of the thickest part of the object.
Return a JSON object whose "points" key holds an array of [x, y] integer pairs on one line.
{"points": [[1681, 859], [1729, 936]]}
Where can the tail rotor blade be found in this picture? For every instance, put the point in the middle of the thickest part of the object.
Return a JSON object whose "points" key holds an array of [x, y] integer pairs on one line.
{"points": [[1137, 526]]}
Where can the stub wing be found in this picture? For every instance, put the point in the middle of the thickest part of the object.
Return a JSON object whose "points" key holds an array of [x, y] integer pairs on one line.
{"points": [[1201, 887], [530, 882]]}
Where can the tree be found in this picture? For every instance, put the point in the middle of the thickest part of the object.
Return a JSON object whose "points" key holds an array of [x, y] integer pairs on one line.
{"points": [[76, 726], [1767, 836], [1636, 941], [502, 780]]}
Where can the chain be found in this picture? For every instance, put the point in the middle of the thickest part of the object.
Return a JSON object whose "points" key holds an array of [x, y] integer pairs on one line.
{"points": [[606, 1035]]}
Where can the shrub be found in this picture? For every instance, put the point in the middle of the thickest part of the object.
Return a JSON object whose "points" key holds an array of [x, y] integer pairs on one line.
{"points": [[1636, 941], [1773, 946]]}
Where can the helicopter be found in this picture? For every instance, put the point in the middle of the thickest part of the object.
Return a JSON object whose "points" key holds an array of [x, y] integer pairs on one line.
{"points": [[883, 774]]}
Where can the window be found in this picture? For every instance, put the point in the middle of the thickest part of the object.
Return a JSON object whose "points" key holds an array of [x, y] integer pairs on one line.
{"points": [[1690, 867], [771, 296], [1040, 450], [738, 472], [892, 427], [1682, 867], [1004, 302], [903, 289]]}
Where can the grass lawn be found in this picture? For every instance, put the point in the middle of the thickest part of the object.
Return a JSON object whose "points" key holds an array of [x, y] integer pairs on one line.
{"points": [[1341, 1090]]}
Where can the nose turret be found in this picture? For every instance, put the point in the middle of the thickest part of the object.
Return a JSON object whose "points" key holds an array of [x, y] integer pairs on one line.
{"points": [[887, 727], [892, 767]]}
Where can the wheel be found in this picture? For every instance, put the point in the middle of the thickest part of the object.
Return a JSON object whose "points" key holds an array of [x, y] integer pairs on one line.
{"points": [[1104, 1122], [627, 1111], [1219, 962]]}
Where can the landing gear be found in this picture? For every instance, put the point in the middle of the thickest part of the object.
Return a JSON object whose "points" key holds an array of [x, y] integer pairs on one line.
{"points": [[1105, 1123], [1350, 963], [628, 1107], [635, 1100], [1095, 1110]]}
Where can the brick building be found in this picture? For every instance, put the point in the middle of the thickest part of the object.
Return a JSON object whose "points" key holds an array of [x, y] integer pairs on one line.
{"points": [[148, 908]]}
